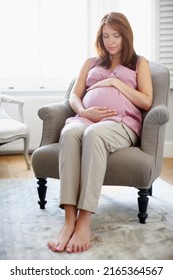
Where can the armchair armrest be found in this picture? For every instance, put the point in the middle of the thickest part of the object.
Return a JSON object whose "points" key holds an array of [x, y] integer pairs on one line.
{"points": [[10, 99], [54, 117], [152, 138]]}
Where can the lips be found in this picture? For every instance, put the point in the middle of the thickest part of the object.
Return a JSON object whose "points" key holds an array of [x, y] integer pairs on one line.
{"points": [[112, 48]]}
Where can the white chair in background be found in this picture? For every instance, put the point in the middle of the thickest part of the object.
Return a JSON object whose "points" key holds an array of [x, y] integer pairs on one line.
{"points": [[12, 129]]}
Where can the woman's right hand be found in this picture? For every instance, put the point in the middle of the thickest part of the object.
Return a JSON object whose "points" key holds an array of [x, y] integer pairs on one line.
{"points": [[97, 113]]}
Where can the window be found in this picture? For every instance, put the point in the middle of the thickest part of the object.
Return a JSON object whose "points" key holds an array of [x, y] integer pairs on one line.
{"points": [[139, 15], [41, 42]]}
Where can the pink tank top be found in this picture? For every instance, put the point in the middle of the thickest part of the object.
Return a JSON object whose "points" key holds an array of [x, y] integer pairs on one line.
{"points": [[127, 113]]}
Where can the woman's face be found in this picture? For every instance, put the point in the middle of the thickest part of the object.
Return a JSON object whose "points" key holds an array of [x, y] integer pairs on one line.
{"points": [[112, 40]]}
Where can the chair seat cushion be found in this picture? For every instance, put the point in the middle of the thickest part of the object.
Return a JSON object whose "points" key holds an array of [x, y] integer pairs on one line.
{"points": [[126, 167], [10, 128]]}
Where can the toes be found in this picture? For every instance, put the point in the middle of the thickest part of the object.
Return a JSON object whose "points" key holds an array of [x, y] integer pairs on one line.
{"points": [[77, 248], [54, 246], [51, 244], [69, 250], [59, 248]]}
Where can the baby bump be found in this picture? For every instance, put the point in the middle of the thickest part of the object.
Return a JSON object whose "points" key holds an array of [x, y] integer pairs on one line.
{"points": [[104, 96]]}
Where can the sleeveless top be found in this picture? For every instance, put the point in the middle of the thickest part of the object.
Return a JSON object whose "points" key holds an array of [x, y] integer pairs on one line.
{"points": [[127, 112]]}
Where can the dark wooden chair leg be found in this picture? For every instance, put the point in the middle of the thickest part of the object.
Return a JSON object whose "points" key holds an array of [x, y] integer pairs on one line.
{"points": [[42, 188], [150, 191], [143, 204]]}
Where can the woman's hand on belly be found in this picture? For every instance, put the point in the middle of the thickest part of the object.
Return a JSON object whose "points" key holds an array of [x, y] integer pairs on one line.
{"points": [[97, 113], [104, 83]]}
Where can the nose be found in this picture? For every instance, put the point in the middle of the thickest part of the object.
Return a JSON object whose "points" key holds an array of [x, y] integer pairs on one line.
{"points": [[111, 40]]}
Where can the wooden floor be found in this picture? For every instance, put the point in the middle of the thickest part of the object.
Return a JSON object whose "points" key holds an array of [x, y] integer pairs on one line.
{"points": [[13, 166]]}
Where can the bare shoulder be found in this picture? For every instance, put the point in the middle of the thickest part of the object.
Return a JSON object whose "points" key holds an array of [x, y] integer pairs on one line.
{"points": [[87, 63], [142, 63], [144, 78], [80, 82]]}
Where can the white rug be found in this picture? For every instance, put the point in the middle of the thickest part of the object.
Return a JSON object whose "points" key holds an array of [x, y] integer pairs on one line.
{"points": [[118, 235]]}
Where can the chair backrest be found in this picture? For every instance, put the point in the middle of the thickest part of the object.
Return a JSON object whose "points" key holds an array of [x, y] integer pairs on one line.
{"points": [[67, 95], [161, 80], [3, 113]]}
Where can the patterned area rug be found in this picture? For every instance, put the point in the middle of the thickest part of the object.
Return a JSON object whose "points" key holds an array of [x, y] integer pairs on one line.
{"points": [[117, 234]]}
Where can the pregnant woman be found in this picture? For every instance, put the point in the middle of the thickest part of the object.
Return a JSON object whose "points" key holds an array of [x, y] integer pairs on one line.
{"points": [[108, 96]]}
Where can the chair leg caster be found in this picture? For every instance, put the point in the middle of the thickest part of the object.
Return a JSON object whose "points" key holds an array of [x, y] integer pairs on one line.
{"points": [[42, 189]]}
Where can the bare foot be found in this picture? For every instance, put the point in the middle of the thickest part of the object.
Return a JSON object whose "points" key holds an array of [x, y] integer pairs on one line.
{"points": [[81, 238], [59, 243]]}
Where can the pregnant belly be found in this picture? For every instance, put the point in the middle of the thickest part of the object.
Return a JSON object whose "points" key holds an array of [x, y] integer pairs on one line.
{"points": [[104, 96]]}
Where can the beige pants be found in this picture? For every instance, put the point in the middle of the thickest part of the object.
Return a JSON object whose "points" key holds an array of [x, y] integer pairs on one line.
{"points": [[83, 158]]}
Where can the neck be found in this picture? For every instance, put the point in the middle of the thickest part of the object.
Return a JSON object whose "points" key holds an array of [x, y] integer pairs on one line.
{"points": [[115, 59], [114, 62]]}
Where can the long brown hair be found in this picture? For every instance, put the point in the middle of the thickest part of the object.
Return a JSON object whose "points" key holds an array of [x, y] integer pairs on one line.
{"points": [[120, 23]]}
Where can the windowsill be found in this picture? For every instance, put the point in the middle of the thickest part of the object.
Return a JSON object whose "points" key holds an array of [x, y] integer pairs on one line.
{"points": [[34, 92]]}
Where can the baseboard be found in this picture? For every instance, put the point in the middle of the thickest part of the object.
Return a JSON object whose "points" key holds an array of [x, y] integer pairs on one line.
{"points": [[168, 150]]}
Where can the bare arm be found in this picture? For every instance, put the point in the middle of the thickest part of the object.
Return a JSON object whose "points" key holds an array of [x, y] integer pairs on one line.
{"points": [[94, 113], [79, 89], [143, 96]]}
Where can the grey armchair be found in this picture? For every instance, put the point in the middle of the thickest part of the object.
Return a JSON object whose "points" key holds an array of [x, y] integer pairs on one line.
{"points": [[137, 166]]}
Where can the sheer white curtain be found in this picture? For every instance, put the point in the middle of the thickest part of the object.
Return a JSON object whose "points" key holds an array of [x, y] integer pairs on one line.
{"points": [[42, 42], [140, 16]]}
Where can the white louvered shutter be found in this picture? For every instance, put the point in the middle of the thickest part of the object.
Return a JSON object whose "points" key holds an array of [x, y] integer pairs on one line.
{"points": [[166, 35]]}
